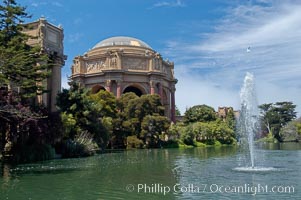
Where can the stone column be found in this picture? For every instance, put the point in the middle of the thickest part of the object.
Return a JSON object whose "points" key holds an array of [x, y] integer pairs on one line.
{"points": [[108, 85], [152, 87], [173, 106], [118, 92], [55, 85]]}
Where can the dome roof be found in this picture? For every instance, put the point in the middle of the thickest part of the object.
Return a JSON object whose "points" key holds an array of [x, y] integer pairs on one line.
{"points": [[123, 41]]}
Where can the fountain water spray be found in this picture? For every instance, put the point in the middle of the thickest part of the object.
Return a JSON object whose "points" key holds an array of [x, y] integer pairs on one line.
{"points": [[248, 124], [249, 113]]}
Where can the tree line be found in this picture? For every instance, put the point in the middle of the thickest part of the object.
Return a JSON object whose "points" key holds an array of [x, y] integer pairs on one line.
{"points": [[129, 121], [136, 122]]}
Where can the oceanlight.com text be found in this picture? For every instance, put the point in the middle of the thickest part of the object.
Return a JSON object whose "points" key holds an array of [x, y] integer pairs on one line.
{"points": [[158, 188]]}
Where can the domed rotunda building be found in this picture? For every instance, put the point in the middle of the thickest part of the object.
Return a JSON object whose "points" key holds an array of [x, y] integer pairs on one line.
{"points": [[124, 64]]}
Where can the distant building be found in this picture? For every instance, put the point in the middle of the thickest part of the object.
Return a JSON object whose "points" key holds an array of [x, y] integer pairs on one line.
{"points": [[222, 112], [124, 64], [50, 38]]}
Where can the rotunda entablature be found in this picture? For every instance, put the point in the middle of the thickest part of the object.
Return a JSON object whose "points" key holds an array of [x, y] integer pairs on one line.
{"points": [[125, 54]]}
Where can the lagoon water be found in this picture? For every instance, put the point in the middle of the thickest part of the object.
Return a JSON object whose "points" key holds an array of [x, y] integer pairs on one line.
{"points": [[196, 173]]}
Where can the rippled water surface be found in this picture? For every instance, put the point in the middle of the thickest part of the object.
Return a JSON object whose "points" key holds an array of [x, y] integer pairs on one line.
{"points": [[198, 173]]}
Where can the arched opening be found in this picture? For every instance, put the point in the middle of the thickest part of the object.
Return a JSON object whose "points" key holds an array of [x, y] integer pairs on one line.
{"points": [[157, 88], [134, 89], [95, 89]]}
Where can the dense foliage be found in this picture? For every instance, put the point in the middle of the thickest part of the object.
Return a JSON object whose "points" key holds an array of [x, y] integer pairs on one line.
{"points": [[80, 113], [21, 66], [138, 108], [208, 133], [152, 127], [203, 127], [291, 132], [113, 123], [24, 127], [275, 116], [139, 122], [200, 113]]}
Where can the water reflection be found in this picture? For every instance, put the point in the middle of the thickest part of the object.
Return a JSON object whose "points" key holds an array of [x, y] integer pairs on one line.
{"points": [[280, 146], [106, 176], [217, 170], [6, 175]]}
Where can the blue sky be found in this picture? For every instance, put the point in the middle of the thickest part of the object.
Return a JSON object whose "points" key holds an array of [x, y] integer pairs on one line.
{"points": [[213, 43]]}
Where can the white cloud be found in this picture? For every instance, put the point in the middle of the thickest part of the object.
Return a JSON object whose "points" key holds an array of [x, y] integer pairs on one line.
{"points": [[38, 4], [261, 28], [194, 91], [43, 3], [57, 4], [219, 60], [74, 37], [177, 3], [34, 4], [78, 21]]}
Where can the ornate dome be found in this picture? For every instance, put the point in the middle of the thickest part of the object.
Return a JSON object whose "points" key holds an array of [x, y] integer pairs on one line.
{"points": [[123, 41]]}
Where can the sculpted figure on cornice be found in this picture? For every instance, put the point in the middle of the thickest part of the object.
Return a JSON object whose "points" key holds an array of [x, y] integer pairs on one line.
{"points": [[157, 60], [75, 67], [113, 61], [157, 63], [172, 73], [164, 69]]}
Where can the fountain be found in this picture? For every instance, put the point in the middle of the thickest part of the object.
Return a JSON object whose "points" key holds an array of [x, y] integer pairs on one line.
{"points": [[248, 123], [249, 113]]}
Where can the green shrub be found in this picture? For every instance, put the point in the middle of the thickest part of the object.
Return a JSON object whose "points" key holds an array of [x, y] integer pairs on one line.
{"points": [[269, 138], [134, 143], [187, 136], [199, 144], [217, 143], [209, 141], [175, 130]]}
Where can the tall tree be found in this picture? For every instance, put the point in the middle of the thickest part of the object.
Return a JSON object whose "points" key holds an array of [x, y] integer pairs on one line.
{"points": [[152, 127], [138, 108], [200, 113], [22, 66], [22, 69], [267, 117], [276, 116], [79, 113], [230, 119], [136, 114], [106, 103]]}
